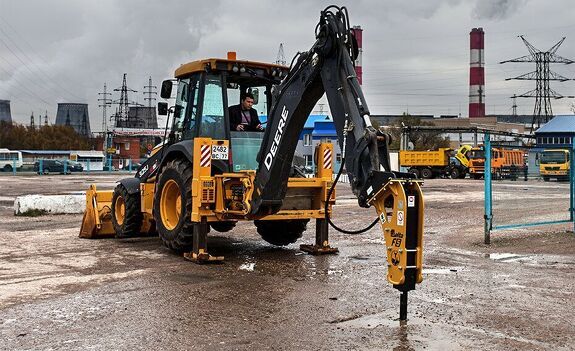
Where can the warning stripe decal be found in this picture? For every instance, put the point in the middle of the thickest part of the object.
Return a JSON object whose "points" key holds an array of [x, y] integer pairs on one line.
{"points": [[205, 155], [327, 158]]}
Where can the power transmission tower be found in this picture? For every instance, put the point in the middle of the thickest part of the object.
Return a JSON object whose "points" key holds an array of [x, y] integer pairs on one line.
{"points": [[281, 59], [514, 106], [32, 121], [542, 112], [150, 92], [46, 118], [121, 118]]}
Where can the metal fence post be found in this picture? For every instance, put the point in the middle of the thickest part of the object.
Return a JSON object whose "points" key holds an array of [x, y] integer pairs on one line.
{"points": [[14, 167], [572, 182], [487, 189], [65, 166], [41, 166]]}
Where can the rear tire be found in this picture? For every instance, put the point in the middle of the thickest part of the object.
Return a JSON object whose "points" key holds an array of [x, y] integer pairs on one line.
{"points": [[223, 227], [126, 214], [173, 206], [282, 232], [414, 171], [426, 173], [546, 179], [7, 168]]}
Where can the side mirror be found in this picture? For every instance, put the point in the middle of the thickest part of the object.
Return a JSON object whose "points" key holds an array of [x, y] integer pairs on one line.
{"points": [[162, 108], [166, 91]]}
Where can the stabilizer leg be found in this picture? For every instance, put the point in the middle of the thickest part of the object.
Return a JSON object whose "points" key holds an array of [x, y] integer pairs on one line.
{"points": [[321, 246], [199, 252]]}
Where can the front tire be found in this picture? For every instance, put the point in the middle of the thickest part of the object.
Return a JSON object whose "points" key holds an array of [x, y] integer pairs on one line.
{"points": [[282, 232], [126, 214], [7, 168], [173, 205], [455, 173]]}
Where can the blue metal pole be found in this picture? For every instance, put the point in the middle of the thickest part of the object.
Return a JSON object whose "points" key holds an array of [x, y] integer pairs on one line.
{"points": [[65, 166], [487, 177], [13, 167], [572, 182], [41, 166]]}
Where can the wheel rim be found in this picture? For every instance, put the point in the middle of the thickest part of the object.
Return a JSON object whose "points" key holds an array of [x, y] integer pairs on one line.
{"points": [[120, 210], [171, 204]]}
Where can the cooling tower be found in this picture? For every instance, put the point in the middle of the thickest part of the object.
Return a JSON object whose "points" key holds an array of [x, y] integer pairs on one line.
{"points": [[5, 114], [140, 117], [74, 115]]}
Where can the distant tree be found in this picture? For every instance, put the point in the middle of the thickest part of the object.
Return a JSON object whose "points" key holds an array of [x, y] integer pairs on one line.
{"points": [[18, 137], [421, 140]]}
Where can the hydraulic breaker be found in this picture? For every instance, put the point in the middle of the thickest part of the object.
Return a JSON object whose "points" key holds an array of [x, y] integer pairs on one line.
{"points": [[399, 205]]}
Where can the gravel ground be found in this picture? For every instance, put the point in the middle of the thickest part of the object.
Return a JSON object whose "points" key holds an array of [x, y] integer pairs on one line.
{"points": [[59, 292]]}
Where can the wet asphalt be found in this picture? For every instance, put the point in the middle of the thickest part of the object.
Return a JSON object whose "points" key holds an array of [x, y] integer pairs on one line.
{"points": [[59, 292]]}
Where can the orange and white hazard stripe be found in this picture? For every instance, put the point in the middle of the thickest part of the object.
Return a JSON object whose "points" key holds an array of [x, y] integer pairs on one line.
{"points": [[205, 155], [327, 158]]}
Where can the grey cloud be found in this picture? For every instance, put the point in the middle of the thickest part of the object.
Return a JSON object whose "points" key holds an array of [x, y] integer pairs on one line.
{"points": [[496, 9]]}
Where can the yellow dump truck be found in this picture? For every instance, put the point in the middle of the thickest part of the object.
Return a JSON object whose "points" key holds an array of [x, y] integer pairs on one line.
{"points": [[444, 162], [554, 164]]}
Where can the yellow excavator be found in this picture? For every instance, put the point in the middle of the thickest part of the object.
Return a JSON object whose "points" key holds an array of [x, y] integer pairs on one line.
{"points": [[206, 175]]}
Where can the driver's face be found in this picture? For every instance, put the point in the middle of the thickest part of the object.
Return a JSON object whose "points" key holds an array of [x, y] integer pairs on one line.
{"points": [[247, 103]]}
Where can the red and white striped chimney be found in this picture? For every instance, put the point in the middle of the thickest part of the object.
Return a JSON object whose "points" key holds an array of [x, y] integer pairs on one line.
{"points": [[358, 32], [476, 74]]}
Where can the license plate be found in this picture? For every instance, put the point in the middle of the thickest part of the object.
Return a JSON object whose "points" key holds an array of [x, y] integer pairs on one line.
{"points": [[219, 152]]}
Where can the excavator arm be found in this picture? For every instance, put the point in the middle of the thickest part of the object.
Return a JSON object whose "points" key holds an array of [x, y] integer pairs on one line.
{"points": [[328, 68]]}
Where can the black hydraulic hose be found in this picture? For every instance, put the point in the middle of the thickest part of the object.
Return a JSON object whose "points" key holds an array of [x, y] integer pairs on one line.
{"points": [[328, 219]]}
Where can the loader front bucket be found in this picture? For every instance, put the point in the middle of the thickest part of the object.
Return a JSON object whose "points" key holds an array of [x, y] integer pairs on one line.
{"points": [[97, 221]]}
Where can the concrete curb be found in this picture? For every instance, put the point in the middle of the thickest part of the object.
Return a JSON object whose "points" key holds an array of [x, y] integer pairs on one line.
{"points": [[53, 204]]}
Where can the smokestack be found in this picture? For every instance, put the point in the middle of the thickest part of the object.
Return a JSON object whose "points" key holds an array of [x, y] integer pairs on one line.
{"points": [[358, 33], [476, 74]]}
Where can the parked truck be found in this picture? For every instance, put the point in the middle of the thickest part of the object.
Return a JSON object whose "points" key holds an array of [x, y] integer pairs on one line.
{"points": [[505, 163], [554, 164], [444, 162]]}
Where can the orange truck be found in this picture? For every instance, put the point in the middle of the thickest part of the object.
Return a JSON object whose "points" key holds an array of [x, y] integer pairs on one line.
{"points": [[505, 163]]}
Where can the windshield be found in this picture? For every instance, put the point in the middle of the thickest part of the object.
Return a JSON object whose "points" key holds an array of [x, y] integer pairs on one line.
{"points": [[553, 157], [245, 147], [475, 154]]}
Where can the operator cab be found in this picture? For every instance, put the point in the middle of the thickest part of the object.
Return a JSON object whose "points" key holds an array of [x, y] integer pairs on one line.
{"points": [[205, 90]]}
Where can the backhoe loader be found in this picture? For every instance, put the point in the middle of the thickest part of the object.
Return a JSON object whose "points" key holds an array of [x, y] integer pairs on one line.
{"points": [[206, 175]]}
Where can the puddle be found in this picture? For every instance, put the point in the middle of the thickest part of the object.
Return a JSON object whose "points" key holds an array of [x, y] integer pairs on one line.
{"points": [[445, 270], [247, 267], [508, 257]]}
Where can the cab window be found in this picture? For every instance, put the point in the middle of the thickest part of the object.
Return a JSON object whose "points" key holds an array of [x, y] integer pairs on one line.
{"points": [[186, 109], [213, 122]]}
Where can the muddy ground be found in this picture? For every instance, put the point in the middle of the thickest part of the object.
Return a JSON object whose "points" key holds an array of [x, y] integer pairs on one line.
{"points": [[61, 292]]}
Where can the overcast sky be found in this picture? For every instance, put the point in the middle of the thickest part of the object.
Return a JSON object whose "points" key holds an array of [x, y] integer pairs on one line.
{"points": [[415, 53]]}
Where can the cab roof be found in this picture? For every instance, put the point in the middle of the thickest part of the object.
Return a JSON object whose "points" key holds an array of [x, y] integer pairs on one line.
{"points": [[219, 64]]}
